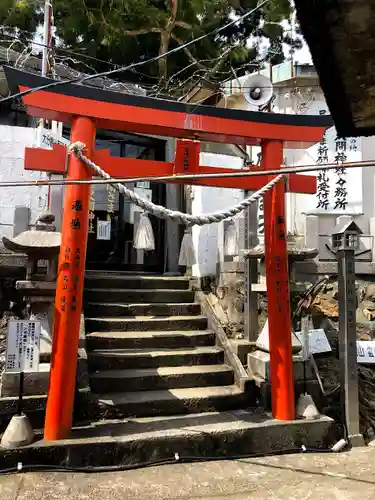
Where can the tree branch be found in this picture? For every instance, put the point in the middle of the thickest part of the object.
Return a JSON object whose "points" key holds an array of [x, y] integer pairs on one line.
{"points": [[143, 31], [188, 53], [184, 25]]}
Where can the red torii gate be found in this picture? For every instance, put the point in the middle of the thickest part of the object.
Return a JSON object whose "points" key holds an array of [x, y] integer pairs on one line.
{"points": [[87, 109]]}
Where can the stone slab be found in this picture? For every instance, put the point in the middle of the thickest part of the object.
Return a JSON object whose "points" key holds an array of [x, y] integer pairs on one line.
{"points": [[242, 348], [259, 365], [36, 384], [214, 435], [323, 268], [263, 341]]}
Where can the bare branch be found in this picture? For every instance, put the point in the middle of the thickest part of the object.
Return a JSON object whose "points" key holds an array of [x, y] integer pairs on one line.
{"points": [[184, 25], [143, 31], [187, 52]]}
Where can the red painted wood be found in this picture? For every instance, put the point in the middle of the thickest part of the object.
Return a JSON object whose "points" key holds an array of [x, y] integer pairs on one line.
{"points": [[54, 161], [278, 296], [69, 290], [187, 157], [143, 120], [47, 160]]}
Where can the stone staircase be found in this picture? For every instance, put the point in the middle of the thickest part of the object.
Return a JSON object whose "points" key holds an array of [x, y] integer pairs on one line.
{"points": [[160, 389], [149, 350]]}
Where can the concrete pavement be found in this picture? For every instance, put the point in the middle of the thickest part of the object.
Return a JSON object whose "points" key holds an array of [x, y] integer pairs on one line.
{"points": [[346, 476]]}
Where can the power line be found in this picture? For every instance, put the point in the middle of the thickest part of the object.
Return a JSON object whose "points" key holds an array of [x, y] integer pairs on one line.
{"points": [[240, 174], [139, 63]]}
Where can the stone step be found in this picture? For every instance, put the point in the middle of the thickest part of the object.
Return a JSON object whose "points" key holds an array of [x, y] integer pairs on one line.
{"points": [[172, 401], [146, 323], [157, 296], [149, 340], [121, 309], [153, 358], [201, 435], [153, 379], [110, 272], [106, 280]]}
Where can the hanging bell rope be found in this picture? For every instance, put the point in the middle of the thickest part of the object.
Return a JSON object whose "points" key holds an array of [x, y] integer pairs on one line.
{"points": [[77, 148]]}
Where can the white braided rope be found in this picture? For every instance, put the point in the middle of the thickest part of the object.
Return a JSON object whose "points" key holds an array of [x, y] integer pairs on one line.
{"points": [[165, 213]]}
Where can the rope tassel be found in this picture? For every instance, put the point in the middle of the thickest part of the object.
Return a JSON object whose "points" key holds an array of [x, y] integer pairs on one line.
{"points": [[187, 253], [144, 236]]}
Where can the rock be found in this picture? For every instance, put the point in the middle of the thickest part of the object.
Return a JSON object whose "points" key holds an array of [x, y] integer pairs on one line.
{"points": [[18, 433], [367, 304], [370, 315], [370, 292], [362, 293], [327, 306]]}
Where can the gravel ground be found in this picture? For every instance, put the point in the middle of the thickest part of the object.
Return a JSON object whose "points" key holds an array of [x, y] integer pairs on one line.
{"points": [[344, 476]]}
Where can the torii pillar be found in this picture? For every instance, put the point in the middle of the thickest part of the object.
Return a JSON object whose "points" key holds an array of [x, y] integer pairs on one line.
{"points": [[278, 295], [70, 282]]}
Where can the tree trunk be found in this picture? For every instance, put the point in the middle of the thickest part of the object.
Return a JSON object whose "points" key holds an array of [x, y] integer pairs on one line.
{"points": [[163, 49]]}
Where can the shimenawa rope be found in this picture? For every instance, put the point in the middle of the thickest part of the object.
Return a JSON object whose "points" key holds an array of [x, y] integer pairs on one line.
{"points": [[77, 148]]}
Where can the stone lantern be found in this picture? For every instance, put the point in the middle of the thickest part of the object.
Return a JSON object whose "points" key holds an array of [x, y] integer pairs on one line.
{"points": [[41, 246]]}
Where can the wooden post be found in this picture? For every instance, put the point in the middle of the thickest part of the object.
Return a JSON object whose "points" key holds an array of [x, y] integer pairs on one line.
{"points": [[70, 282], [279, 320]]}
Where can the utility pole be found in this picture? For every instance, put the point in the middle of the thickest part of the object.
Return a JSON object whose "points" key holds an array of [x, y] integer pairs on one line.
{"points": [[47, 41], [56, 127], [47, 36]]}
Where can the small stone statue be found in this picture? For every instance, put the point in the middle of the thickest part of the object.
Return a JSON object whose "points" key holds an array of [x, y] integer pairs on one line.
{"points": [[45, 222]]}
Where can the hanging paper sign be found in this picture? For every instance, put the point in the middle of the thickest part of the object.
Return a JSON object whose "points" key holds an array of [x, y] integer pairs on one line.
{"points": [[366, 351], [318, 342], [22, 354], [103, 230]]}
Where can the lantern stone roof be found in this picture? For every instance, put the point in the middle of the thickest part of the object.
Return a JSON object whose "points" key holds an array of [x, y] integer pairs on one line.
{"points": [[43, 242], [341, 38]]}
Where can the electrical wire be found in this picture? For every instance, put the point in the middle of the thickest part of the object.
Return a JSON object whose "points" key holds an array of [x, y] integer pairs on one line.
{"points": [[154, 463], [176, 178], [139, 63], [165, 86]]}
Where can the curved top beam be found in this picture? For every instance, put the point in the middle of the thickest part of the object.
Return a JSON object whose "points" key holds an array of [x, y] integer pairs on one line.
{"points": [[145, 115]]}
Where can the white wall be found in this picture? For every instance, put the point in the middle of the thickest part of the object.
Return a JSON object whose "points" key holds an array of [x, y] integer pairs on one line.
{"points": [[13, 141], [208, 240], [301, 205], [360, 182]]}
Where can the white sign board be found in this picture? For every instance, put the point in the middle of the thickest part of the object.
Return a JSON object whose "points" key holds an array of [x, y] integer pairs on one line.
{"points": [[144, 193], [318, 342], [365, 351], [22, 353], [103, 230], [143, 184]]}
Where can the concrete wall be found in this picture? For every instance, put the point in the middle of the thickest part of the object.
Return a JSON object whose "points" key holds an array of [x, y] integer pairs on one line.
{"points": [[13, 141]]}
